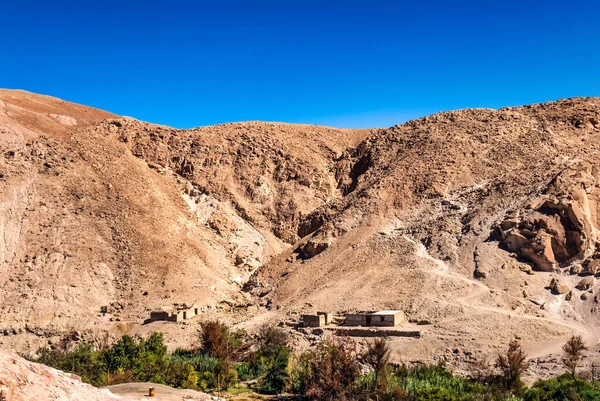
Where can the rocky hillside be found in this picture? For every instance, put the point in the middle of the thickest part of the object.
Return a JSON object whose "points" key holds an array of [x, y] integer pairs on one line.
{"points": [[466, 220], [99, 211], [481, 223]]}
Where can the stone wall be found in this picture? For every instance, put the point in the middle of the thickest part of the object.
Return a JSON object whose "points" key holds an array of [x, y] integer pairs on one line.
{"points": [[313, 320]]}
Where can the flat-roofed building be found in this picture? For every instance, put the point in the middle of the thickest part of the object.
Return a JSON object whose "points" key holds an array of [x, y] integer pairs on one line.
{"points": [[385, 318], [313, 320], [176, 313]]}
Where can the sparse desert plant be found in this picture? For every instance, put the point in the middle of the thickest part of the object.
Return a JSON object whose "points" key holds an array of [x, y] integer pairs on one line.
{"points": [[328, 372], [573, 353], [214, 338], [377, 356], [271, 338], [512, 364], [483, 371]]}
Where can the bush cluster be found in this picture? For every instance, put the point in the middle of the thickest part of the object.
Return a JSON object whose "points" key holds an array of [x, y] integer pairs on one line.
{"points": [[216, 364], [333, 370]]}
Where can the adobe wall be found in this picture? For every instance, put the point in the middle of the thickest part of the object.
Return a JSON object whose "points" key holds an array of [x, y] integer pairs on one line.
{"points": [[377, 332], [313, 320]]}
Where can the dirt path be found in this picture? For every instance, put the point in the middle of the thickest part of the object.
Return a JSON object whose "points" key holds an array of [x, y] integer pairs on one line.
{"points": [[139, 391], [478, 289]]}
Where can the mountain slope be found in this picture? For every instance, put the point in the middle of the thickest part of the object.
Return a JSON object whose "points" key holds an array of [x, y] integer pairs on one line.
{"points": [[132, 216], [461, 219], [419, 228]]}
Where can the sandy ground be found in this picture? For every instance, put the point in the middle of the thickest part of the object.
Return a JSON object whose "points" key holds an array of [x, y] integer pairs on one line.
{"points": [[139, 391]]}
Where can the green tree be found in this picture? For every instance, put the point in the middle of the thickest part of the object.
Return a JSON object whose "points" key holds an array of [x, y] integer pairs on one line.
{"points": [[124, 355], [217, 340], [573, 353], [276, 371]]}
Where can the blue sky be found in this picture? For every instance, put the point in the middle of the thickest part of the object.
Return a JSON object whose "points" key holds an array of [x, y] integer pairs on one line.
{"points": [[341, 63]]}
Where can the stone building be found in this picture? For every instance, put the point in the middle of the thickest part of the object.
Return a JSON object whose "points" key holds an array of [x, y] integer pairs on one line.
{"points": [[386, 318], [319, 320], [313, 320], [176, 313]]}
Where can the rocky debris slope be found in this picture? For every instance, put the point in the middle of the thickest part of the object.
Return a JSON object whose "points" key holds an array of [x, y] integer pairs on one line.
{"points": [[449, 177], [21, 380], [454, 183], [106, 219]]}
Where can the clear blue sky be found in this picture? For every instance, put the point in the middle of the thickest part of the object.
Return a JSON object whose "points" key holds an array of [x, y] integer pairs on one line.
{"points": [[342, 63]]}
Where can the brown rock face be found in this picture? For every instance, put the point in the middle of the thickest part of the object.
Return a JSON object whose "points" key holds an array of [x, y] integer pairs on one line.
{"points": [[21, 380], [592, 267], [98, 210], [562, 227]]}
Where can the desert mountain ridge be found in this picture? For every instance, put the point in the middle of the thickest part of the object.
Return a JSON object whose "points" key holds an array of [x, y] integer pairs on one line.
{"points": [[481, 224]]}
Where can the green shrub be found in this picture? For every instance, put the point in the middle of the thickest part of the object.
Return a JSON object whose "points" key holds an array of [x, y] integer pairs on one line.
{"points": [[249, 370], [82, 360], [561, 388], [331, 371], [276, 371], [133, 359]]}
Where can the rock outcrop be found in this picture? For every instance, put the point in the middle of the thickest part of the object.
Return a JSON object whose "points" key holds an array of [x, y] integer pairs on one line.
{"points": [[21, 380], [561, 227], [585, 284]]}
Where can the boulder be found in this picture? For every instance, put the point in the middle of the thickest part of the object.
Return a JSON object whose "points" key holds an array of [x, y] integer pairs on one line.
{"points": [[576, 215], [480, 273], [515, 241], [558, 288], [525, 268], [509, 223], [539, 260], [576, 268], [586, 283], [592, 267], [314, 247]]}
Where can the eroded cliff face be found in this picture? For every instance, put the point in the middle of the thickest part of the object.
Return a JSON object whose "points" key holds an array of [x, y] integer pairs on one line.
{"points": [[462, 219], [560, 228]]}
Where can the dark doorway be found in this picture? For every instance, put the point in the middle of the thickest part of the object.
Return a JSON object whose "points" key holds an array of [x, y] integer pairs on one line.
{"points": [[368, 318]]}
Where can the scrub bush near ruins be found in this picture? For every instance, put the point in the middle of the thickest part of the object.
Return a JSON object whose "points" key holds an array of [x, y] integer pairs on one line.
{"points": [[331, 371], [512, 365], [573, 350]]}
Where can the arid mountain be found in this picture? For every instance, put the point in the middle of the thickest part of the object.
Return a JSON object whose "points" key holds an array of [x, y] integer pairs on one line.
{"points": [[112, 212], [481, 223], [447, 216]]}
